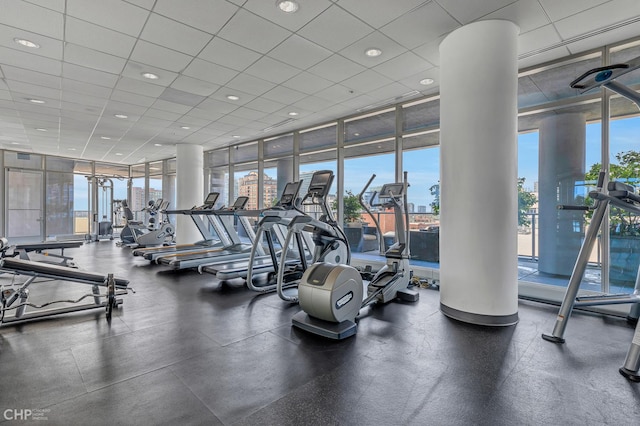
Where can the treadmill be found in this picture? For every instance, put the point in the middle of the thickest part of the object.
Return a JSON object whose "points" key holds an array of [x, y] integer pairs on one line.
{"points": [[279, 215], [232, 246], [210, 230]]}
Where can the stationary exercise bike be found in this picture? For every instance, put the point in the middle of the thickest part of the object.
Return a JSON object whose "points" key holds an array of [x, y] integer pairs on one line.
{"points": [[331, 296]]}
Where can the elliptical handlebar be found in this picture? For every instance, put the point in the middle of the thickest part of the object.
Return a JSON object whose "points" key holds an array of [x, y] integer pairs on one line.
{"points": [[365, 206]]}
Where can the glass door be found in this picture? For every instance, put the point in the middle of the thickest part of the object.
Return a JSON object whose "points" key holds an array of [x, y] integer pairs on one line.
{"points": [[24, 206]]}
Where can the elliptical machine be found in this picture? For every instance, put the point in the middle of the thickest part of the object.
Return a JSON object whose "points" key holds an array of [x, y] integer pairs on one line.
{"points": [[136, 234], [331, 296], [330, 242]]}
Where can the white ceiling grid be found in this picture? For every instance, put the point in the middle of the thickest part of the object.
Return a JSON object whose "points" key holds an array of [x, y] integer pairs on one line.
{"points": [[92, 54]]}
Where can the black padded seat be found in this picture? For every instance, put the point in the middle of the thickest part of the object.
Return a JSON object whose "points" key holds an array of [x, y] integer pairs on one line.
{"points": [[28, 267]]}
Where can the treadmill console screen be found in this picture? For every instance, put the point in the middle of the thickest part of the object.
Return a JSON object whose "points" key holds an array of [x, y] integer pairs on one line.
{"points": [[240, 203], [397, 189], [321, 183], [290, 193], [211, 199]]}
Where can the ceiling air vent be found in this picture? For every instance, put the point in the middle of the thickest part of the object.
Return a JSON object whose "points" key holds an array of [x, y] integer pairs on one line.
{"points": [[282, 123]]}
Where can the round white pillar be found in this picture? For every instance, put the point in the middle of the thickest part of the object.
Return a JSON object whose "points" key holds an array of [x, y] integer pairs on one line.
{"points": [[561, 165], [285, 173], [189, 189], [478, 161]]}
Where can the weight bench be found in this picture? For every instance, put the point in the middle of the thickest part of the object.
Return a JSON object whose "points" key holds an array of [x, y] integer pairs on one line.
{"points": [[16, 299], [44, 248]]}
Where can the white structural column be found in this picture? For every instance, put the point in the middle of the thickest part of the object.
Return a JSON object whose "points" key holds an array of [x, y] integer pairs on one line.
{"points": [[285, 173], [561, 165], [189, 189], [478, 182]]}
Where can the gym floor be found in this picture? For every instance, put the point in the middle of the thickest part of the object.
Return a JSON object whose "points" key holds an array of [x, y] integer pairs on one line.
{"points": [[186, 349]]}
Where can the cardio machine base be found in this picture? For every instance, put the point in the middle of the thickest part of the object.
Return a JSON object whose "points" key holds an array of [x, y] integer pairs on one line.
{"points": [[630, 375], [330, 330]]}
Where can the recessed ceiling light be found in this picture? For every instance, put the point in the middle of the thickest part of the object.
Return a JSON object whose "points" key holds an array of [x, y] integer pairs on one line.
{"points": [[26, 43], [287, 6], [120, 116], [293, 114], [236, 136], [372, 52], [233, 97], [185, 127], [356, 134], [118, 153], [36, 101], [106, 138], [72, 149], [157, 144], [40, 129], [150, 75], [426, 81], [15, 143]]}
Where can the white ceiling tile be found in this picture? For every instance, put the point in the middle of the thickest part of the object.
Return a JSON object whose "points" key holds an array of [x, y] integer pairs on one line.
{"points": [[93, 59], [356, 52], [430, 50], [539, 58], [337, 93], [272, 70], [403, 66], [420, 26], [217, 106], [265, 105], [203, 114], [222, 93], [140, 87], [253, 85], [367, 81], [85, 88], [163, 115], [4, 94], [195, 86], [393, 93], [528, 14], [116, 107], [132, 98], [307, 83], [336, 68], [413, 81], [262, 37], [312, 104], [49, 47], [335, 29], [99, 38], [206, 15], [248, 113], [609, 37], [227, 54], [171, 107], [134, 71], [28, 61], [79, 73], [57, 5], [284, 95], [537, 39], [32, 18], [309, 9], [193, 121], [34, 77], [160, 57], [379, 12], [207, 71], [174, 35], [561, 9], [114, 14], [299, 52], [33, 90], [358, 102], [598, 17], [466, 12], [145, 4]]}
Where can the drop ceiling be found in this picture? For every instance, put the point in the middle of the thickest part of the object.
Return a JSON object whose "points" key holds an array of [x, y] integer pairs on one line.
{"points": [[92, 54]]}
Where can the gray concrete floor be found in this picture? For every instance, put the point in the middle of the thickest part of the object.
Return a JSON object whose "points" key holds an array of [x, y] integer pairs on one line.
{"points": [[186, 349]]}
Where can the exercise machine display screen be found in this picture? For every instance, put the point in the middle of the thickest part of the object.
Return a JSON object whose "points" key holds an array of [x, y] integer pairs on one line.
{"points": [[211, 198], [321, 182], [290, 193], [240, 203], [391, 189]]}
